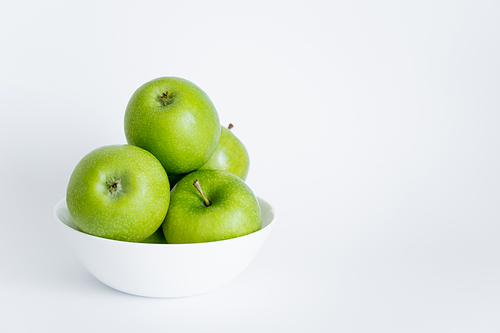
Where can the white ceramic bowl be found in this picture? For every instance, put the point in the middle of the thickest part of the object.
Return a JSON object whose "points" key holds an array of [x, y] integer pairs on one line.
{"points": [[164, 270]]}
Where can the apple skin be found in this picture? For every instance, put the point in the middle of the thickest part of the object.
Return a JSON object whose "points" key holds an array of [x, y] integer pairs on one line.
{"points": [[156, 238], [174, 120], [133, 210], [230, 155], [234, 209]]}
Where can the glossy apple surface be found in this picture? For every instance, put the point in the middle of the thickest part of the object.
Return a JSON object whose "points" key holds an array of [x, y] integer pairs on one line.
{"points": [[156, 238], [176, 121], [233, 211], [118, 192], [230, 155]]}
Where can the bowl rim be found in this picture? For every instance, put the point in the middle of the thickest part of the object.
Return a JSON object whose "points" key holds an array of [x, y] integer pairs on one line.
{"points": [[61, 204]]}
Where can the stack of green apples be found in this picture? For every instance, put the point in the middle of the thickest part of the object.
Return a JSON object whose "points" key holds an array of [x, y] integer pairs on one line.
{"points": [[179, 179]]}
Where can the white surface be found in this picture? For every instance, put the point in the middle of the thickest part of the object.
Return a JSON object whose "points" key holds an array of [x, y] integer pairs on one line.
{"points": [[164, 270], [372, 128]]}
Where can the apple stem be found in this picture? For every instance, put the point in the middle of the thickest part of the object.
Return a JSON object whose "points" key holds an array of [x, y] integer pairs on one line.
{"points": [[165, 98], [196, 184], [230, 126], [114, 186]]}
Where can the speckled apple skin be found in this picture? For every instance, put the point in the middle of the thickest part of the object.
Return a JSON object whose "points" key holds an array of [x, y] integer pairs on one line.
{"points": [[156, 238], [182, 134], [234, 209], [230, 155], [133, 213]]}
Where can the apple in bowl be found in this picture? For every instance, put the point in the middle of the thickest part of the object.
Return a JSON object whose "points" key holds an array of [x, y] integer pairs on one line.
{"points": [[230, 155], [119, 192], [176, 121], [211, 205]]}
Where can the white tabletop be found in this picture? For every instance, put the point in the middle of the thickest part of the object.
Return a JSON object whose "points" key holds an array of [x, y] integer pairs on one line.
{"points": [[372, 128]]}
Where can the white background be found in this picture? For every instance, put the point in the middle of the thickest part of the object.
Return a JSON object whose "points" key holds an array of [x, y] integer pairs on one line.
{"points": [[372, 127]]}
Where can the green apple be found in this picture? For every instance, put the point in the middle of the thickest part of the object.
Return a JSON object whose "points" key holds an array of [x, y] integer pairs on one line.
{"points": [[156, 238], [222, 207], [119, 192], [176, 121], [230, 155]]}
